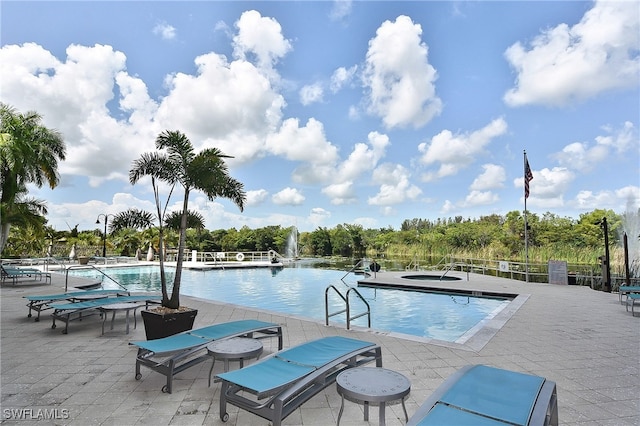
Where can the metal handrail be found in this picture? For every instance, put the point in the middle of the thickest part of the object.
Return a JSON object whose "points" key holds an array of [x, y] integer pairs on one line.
{"points": [[86, 267], [347, 309]]}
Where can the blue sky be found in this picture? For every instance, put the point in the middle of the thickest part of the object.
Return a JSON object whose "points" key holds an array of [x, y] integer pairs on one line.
{"points": [[337, 112]]}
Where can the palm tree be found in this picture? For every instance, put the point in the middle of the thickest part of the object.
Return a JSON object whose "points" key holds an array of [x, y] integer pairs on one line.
{"points": [[176, 163], [29, 153]]}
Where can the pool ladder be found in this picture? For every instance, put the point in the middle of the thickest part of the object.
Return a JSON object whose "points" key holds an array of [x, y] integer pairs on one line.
{"points": [[347, 309]]}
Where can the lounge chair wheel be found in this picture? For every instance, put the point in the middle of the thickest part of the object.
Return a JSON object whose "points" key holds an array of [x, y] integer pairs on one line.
{"points": [[225, 417], [29, 316], [53, 326], [138, 376], [165, 389]]}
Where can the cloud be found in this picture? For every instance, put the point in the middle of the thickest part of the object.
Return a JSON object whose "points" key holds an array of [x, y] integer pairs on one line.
{"points": [[318, 216], [311, 93], [395, 186], [340, 9], [492, 177], [398, 76], [341, 77], [573, 63], [584, 157], [257, 197], [455, 152], [260, 38], [548, 186], [164, 30], [288, 197], [480, 198], [340, 193], [610, 199]]}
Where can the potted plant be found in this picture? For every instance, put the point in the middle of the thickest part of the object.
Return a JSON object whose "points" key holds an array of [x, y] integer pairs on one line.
{"points": [[176, 163]]}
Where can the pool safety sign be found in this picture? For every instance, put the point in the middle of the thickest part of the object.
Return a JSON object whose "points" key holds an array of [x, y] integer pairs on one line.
{"points": [[558, 272], [503, 266]]}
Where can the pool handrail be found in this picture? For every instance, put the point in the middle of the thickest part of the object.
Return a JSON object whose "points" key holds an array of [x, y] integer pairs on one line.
{"points": [[89, 267]]}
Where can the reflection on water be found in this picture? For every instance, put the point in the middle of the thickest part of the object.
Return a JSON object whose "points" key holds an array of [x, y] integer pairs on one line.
{"points": [[300, 292]]}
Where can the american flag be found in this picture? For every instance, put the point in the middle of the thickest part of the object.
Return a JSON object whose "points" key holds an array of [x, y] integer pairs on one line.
{"points": [[527, 177]]}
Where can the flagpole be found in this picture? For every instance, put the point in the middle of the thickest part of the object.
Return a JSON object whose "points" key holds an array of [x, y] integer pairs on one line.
{"points": [[526, 227]]}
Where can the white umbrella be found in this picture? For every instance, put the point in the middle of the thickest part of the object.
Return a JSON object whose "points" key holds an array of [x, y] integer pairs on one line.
{"points": [[150, 253]]}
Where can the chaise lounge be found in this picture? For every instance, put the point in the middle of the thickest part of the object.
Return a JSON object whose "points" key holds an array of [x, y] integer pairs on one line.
{"points": [[41, 303], [276, 386], [171, 355], [487, 396], [14, 274], [70, 311]]}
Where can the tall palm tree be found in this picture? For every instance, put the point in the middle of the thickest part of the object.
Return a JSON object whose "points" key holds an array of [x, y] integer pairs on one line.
{"points": [[29, 154], [177, 163]]}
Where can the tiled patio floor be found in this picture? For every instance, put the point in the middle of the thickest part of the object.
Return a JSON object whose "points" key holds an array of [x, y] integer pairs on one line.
{"points": [[582, 339]]}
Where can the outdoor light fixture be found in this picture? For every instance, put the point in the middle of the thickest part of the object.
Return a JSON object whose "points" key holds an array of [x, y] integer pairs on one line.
{"points": [[104, 236]]}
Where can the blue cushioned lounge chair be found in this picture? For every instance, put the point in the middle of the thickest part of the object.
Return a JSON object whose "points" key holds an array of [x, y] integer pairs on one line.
{"points": [[487, 396], [171, 355], [69, 311], [632, 299], [626, 290], [41, 302], [14, 274], [276, 386]]}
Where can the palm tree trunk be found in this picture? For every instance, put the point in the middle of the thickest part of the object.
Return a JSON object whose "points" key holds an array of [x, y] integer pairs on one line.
{"points": [[175, 293]]}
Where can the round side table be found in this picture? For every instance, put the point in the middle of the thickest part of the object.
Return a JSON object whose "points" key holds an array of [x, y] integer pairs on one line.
{"points": [[234, 349], [372, 385]]}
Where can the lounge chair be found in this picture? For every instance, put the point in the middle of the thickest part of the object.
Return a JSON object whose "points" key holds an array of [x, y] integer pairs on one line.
{"points": [[41, 303], [14, 274], [482, 395], [287, 379], [171, 355], [66, 311], [632, 299], [626, 290]]}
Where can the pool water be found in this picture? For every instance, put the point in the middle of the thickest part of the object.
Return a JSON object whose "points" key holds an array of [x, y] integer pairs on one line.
{"points": [[301, 291]]}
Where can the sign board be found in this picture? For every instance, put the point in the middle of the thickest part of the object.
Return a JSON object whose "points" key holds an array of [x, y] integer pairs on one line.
{"points": [[558, 272], [503, 266]]}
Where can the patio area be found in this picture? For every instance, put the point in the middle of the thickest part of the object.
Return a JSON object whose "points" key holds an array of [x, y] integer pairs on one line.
{"points": [[584, 340]]}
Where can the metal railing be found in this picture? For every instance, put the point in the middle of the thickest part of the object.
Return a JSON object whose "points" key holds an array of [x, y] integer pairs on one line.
{"points": [[105, 275], [345, 298]]}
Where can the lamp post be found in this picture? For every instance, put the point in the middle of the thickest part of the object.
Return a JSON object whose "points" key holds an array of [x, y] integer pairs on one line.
{"points": [[104, 236]]}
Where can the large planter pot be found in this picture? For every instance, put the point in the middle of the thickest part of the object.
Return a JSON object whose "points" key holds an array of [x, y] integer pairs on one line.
{"points": [[158, 324]]}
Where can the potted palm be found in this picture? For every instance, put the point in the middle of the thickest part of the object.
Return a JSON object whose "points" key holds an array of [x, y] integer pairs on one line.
{"points": [[176, 163]]}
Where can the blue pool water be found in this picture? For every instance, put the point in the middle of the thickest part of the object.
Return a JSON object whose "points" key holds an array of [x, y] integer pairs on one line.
{"points": [[300, 292]]}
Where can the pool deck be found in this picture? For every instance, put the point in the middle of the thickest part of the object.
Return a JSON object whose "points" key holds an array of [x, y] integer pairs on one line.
{"points": [[582, 339]]}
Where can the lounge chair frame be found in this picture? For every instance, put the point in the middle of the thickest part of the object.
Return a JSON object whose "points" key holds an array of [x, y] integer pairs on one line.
{"points": [[626, 290], [67, 312], [171, 362], [544, 410], [632, 299], [283, 400], [15, 274], [41, 303]]}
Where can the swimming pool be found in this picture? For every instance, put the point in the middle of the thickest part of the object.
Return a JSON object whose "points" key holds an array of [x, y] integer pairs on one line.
{"points": [[300, 292]]}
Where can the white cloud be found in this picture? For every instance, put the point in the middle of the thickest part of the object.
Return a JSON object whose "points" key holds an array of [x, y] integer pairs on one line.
{"points": [[547, 187], [455, 152], [341, 77], [572, 63], [308, 145], [480, 198], [262, 38], [492, 177], [340, 193], [583, 157], [318, 216], [311, 93], [340, 9], [617, 200], [395, 186], [288, 197], [164, 30], [399, 77], [256, 197]]}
